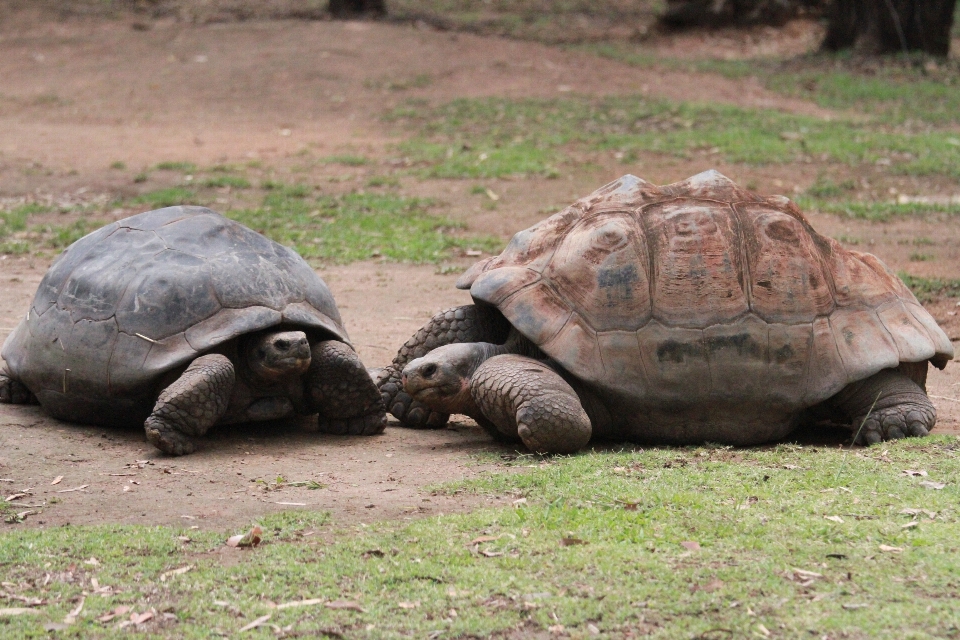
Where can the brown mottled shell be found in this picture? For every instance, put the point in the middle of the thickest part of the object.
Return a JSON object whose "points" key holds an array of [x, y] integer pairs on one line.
{"points": [[701, 289]]}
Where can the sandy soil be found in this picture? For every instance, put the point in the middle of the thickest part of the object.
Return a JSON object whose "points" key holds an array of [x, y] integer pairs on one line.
{"points": [[79, 95]]}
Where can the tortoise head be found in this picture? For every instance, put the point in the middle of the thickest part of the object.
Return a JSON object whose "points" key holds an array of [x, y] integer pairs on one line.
{"points": [[275, 355], [441, 379]]}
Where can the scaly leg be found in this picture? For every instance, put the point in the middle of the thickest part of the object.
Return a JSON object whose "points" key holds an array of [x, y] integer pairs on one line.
{"points": [[524, 397], [342, 392], [191, 405], [900, 408], [12, 391], [469, 323]]}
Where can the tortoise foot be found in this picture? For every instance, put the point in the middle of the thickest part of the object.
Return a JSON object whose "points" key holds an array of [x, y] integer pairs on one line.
{"points": [[403, 407], [168, 440], [368, 425], [892, 423], [14, 392]]}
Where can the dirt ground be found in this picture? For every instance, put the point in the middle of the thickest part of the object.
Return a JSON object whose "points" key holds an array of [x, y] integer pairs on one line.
{"points": [[78, 96]]}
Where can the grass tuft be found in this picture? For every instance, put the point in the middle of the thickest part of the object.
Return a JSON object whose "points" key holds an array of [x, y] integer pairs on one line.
{"points": [[169, 197]]}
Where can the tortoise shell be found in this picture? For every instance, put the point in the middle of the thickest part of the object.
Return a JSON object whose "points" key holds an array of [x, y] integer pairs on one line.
{"points": [[143, 296], [702, 290]]}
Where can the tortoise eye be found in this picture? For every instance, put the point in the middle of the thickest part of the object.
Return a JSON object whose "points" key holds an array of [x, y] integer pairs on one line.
{"points": [[283, 345], [428, 370]]}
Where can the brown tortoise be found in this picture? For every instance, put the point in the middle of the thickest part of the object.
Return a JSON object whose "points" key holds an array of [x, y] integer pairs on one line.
{"points": [[692, 312]]}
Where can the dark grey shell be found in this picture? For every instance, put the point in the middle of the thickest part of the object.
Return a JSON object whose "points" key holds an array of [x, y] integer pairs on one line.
{"points": [[701, 291], [145, 295]]}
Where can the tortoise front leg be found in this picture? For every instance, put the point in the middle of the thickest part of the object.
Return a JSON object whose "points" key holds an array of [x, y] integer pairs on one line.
{"points": [[888, 405], [342, 392], [12, 391], [191, 405], [469, 323], [524, 397]]}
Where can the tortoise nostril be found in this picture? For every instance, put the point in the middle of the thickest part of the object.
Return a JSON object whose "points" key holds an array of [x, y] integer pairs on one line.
{"points": [[428, 371]]}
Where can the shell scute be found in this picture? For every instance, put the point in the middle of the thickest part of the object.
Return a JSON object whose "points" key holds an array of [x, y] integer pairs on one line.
{"points": [[600, 267], [228, 324], [675, 362], [911, 338], [738, 356], [696, 264], [169, 293], [93, 288], [864, 344], [787, 279]]}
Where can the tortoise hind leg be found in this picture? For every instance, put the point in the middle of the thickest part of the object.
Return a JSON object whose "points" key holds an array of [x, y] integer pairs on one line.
{"points": [[886, 406], [469, 323], [524, 397], [12, 391], [342, 392], [191, 405]]}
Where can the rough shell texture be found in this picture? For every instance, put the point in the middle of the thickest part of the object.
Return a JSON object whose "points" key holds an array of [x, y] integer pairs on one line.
{"points": [[145, 295], [701, 290]]}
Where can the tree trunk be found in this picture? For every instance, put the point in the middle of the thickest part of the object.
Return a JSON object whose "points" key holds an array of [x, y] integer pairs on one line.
{"points": [[356, 8], [890, 26]]}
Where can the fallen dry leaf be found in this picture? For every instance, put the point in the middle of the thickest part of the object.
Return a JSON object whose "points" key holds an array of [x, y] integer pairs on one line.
{"points": [[119, 611], [256, 623], [80, 488], [914, 472], [834, 519], [409, 605], [75, 613], [933, 485], [140, 618], [175, 572], [16, 611], [916, 512], [691, 545], [851, 606], [807, 574], [909, 525], [890, 549], [349, 605], [490, 554], [249, 539], [15, 496], [483, 539], [57, 480], [300, 603], [570, 542]]}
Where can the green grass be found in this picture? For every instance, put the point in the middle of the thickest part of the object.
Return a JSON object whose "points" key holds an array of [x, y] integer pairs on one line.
{"points": [[165, 198], [234, 182], [14, 221], [895, 93], [876, 211], [930, 289], [358, 226], [348, 160], [664, 543], [494, 137], [185, 167]]}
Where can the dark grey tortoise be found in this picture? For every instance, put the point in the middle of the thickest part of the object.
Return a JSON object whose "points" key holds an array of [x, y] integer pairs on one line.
{"points": [[686, 313], [180, 319]]}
